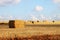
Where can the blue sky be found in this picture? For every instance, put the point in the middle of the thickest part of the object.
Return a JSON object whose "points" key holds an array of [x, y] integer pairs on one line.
{"points": [[23, 9]]}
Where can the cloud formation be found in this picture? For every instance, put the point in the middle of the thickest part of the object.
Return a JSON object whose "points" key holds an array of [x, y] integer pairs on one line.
{"points": [[56, 17], [43, 17], [56, 1], [33, 18], [8, 2], [38, 8]]}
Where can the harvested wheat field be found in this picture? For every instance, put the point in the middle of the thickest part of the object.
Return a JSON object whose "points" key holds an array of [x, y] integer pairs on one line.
{"points": [[30, 33], [34, 37]]}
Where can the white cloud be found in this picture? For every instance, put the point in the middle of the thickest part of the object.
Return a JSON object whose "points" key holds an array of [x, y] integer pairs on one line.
{"points": [[33, 18], [38, 8], [56, 1], [6, 17], [10, 17], [56, 17], [43, 17], [1, 17], [7, 2]]}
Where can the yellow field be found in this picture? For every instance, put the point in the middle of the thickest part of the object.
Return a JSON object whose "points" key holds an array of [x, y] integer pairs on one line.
{"points": [[28, 31]]}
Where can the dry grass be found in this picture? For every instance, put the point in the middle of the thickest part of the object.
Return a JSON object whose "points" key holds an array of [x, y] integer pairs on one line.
{"points": [[33, 37], [30, 33]]}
